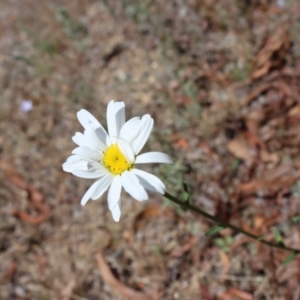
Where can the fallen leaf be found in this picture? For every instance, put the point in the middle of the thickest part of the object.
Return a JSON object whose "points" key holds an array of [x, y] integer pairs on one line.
{"points": [[10, 271], [34, 196], [240, 294], [180, 142], [66, 293], [258, 91], [253, 120], [225, 261], [240, 149], [119, 287], [24, 216], [16, 180], [204, 292], [269, 157], [277, 42], [280, 171], [257, 185]]}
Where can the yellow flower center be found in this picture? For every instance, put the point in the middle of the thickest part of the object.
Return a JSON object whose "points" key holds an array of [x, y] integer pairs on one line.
{"points": [[114, 161]]}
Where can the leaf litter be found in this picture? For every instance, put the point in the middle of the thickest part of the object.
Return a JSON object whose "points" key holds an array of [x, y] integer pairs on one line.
{"points": [[221, 81]]}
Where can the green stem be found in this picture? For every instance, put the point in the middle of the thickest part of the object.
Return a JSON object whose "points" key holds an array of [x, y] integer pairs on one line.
{"points": [[224, 224]]}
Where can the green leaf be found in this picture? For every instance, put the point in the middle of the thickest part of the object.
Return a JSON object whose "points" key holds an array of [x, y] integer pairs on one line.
{"points": [[296, 219], [214, 230], [229, 240], [220, 242], [261, 237], [278, 236], [289, 259], [186, 193]]}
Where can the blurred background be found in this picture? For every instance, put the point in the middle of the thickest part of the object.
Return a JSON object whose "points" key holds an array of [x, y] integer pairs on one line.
{"points": [[221, 80]]}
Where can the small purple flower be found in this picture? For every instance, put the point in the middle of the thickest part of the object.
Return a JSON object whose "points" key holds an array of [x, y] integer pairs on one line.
{"points": [[26, 106]]}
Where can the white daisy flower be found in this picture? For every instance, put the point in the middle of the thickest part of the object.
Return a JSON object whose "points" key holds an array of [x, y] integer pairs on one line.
{"points": [[112, 157]]}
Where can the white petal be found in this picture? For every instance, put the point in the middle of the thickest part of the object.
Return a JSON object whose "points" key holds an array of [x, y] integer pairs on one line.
{"points": [[102, 134], [80, 139], [91, 173], [73, 158], [104, 184], [97, 165], [120, 115], [153, 157], [87, 120], [114, 192], [89, 153], [115, 118], [143, 135], [149, 181], [116, 213], [75, 165], [133, 187], [90, 192], [109, 141], [130, 129], [126, 150], [94, 140]]}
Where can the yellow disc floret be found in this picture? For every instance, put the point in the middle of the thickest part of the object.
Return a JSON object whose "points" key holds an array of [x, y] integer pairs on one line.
{"points": [[114, 160]]}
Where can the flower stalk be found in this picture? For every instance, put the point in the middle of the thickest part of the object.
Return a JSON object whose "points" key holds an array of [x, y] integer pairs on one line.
{"points": [[186, 204]]}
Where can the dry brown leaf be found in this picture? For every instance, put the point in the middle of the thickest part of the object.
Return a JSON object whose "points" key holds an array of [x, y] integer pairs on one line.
{"points": [[24, 216], [240, 294], [278, 172], [287, 89], [16, 180], [36, 198], [277, 42], [66, 293], [253, 139], [10, 271], [261, 223], [254, 119], [119, 287], [204, 292], [269, 157], [225, 261], [258, 91], [240, 149], [262, 71], [294, 111], [258, 221], [180, 142], [257, 185]]}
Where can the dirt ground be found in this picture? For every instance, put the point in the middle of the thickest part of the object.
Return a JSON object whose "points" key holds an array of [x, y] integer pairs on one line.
{"points": [[221, 80]]}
